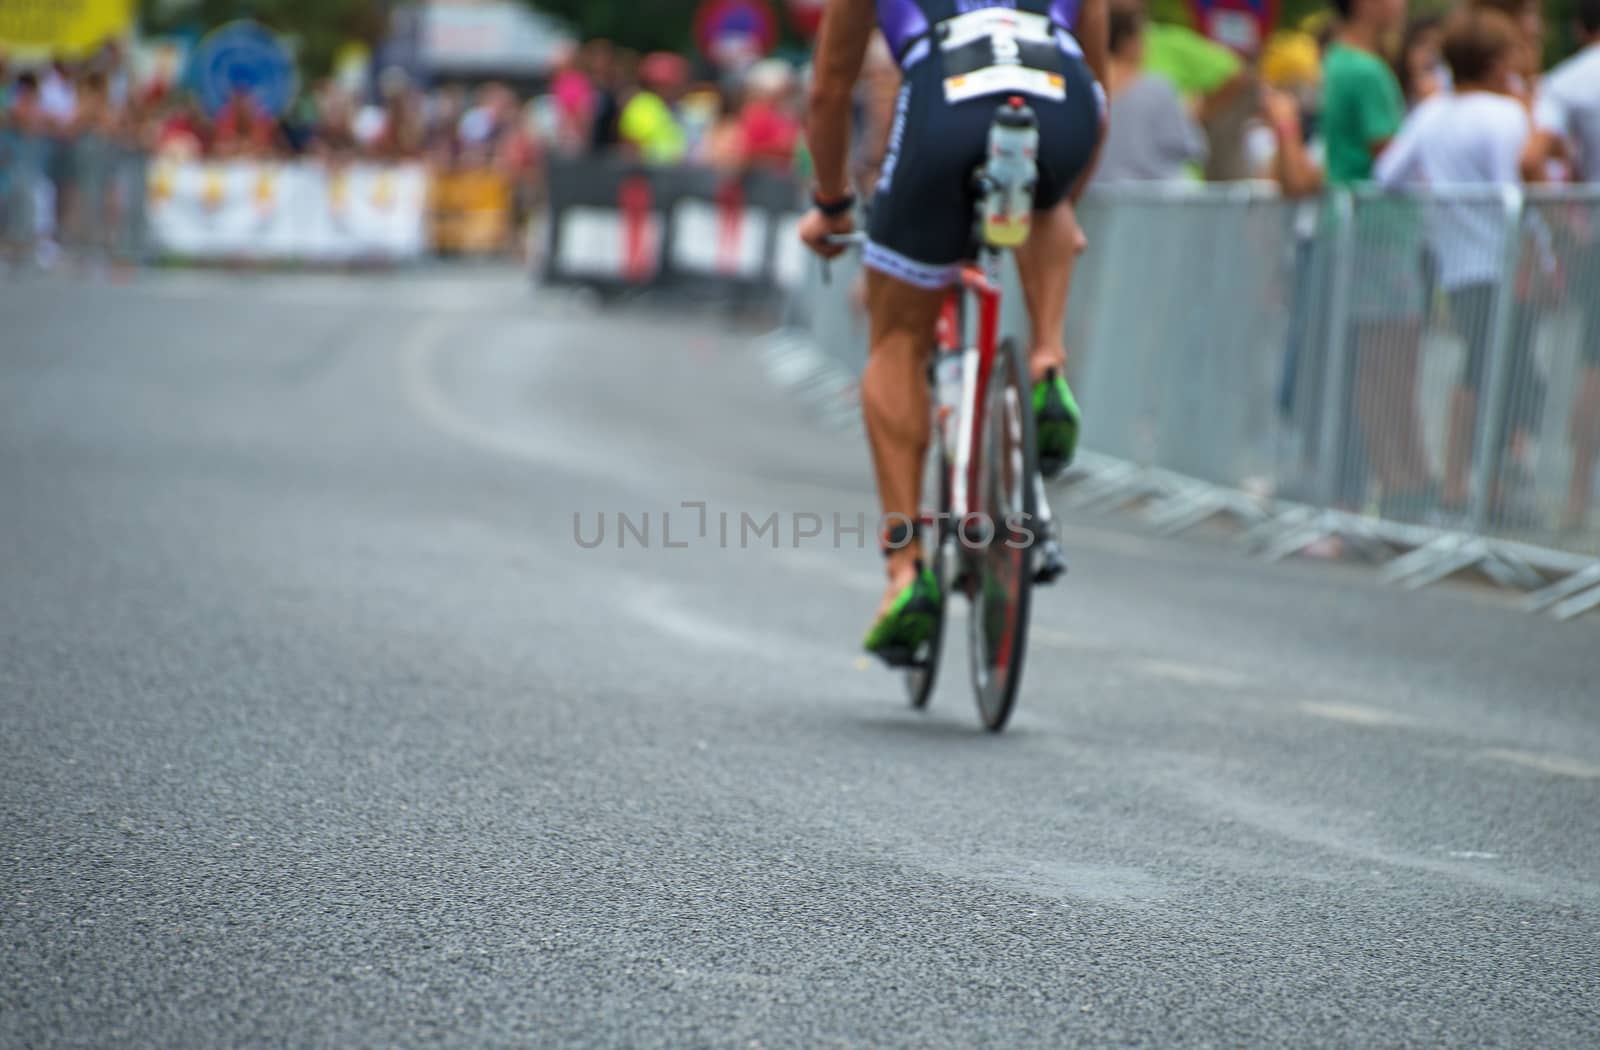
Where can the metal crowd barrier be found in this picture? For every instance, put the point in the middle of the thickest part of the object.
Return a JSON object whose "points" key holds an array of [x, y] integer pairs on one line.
{"points": [[615, 225], [1414, 376], [84, 196]]}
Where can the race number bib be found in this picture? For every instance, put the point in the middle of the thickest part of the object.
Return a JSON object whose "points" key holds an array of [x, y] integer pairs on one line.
{"points": [[995, 50]]}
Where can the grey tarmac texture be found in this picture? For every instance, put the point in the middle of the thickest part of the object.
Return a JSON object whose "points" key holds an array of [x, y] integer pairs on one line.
{"points": [[322, 729]]}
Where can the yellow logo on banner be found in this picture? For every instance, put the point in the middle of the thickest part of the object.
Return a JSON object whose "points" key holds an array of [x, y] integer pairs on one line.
{"points": [[52, 26], [266, 189], [383, 195], [213, 190], [161, 181], [338, 192]]}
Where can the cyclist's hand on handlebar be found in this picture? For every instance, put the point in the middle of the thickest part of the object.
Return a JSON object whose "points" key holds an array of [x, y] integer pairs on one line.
{"points": [[816, 228]]}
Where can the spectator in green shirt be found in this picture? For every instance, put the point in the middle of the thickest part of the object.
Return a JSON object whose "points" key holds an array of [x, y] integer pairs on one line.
{"points": [[1362, 108], [1362, 105]]}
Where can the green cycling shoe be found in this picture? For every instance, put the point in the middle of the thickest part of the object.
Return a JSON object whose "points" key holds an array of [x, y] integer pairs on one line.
{"points": [[1057, 419], [909, 624]]}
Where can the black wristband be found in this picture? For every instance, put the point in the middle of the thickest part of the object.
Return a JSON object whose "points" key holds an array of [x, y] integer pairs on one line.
{"points": [[834, 209]]}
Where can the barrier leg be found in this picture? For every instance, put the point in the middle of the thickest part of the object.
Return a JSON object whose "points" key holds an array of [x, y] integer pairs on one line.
{"points": [[1511, 572], [1563, 590], [1571, 610], [1319, 527], [1437, 561], [1287, 520]]}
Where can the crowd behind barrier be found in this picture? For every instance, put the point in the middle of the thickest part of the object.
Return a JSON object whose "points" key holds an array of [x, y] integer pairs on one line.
{"points": [[80, 143], [97, 166], [1316, 371]]}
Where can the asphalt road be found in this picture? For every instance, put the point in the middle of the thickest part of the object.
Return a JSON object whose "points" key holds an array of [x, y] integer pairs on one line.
{"points": [[322, 728]]}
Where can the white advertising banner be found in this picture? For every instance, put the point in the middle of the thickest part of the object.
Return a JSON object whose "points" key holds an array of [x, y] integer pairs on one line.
{"points": [[299, 211]]}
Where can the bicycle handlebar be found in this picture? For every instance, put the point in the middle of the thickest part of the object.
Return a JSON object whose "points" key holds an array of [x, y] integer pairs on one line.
{"points": [[840, 240]]}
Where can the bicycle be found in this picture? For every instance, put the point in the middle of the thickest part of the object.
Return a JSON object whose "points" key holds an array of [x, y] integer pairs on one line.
{"points": [[991, 504]]}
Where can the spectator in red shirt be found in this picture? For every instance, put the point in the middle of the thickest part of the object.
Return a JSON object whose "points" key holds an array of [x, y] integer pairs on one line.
{"points": [[182, 131], [767, 125], [244, 129]]}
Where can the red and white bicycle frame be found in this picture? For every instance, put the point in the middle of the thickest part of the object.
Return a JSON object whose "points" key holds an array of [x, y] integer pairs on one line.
{"points": [[982, 283]]}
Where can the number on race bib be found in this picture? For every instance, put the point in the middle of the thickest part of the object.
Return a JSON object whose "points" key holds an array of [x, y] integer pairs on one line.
{"points": [[996, 50]]}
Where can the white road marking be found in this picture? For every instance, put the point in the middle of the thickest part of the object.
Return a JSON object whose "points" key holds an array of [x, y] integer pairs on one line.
{"points": [[1192, 674], [661, 609], [523, 440], [1072, 643], [833, 565], [651, 606], [1354, 714], [1323, 828], [1556, 765]]}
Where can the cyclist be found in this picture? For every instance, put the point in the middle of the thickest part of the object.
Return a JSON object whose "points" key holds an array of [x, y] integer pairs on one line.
{"points": [[959, 59]]}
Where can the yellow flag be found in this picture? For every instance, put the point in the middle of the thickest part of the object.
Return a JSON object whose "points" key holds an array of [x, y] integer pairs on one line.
{"points": [[73, 27]]}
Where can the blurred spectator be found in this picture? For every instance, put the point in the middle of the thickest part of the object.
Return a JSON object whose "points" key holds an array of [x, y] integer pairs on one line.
{"points": [[1219, 89], [24, 131], [443, 119], [183, 133], [1567, 115], [615, 75], [1151, 136], [486, 124], [94, 133], [58, 95], [1419, 65], [1568, 107], [402, 131], [1473, 134], [711, 125], [243, 129], [333, 134], [649, 127], [768, 127], [1292, 70], [1362, 110], [58, 101], [1528, 20], [576, 100]]}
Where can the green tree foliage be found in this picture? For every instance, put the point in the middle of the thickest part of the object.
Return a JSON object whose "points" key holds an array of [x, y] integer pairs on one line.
{"points": [[644, 25], [322, 26], [318, 27]]}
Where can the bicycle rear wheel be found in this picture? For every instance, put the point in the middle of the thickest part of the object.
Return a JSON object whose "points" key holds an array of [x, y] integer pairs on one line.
{"points": [[1003, 590]]}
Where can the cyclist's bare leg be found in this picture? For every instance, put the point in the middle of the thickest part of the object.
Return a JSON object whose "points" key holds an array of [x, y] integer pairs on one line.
{"points": [[894, 403], [1045, 264]]}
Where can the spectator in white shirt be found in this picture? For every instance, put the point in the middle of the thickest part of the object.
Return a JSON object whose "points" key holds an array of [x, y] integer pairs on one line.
{"points": [[1567, 115], [1473, 135]]}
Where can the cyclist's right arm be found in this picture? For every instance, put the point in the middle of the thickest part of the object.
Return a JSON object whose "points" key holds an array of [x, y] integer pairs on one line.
{"points": [[841, 50]]}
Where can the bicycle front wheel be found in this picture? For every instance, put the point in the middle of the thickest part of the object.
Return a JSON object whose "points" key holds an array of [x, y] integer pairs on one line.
{"points": [[923, 676], [1002, 549]]}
